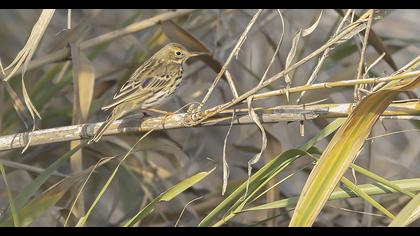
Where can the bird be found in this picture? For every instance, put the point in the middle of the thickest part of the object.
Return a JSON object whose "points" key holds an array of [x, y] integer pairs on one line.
{"points": [[150, 86]]}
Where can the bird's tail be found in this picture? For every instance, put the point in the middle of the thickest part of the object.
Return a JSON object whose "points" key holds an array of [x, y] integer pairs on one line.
{"points": [[111, 118]]}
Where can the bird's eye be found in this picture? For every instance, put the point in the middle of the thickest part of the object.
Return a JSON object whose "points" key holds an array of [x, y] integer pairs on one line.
{"points": [[178, 53]]}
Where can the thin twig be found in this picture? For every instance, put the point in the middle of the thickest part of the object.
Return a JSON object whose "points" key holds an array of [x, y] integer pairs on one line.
{"points": [[356, 94], [232, 54], [324, 56]]}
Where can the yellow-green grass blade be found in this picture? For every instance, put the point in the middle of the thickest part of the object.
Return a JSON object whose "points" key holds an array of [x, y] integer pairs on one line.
{"points": [[341, 151], [366, 197], [10, 197], [408, 214], [250, 196], [267, 172], [168, 195], [411, 185], [345, 181], [375, 177]]}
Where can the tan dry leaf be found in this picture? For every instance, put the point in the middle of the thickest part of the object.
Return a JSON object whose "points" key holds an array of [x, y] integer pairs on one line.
{"points": [[84, 82], [312, 28]]}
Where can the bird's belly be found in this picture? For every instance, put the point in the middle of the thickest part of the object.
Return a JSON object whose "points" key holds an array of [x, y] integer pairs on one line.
{"points": [[161, 97]]}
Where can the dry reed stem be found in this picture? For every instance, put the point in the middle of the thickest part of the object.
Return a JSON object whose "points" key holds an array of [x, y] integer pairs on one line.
{"points": [[138, 125], [336, 84], [356, 94]]}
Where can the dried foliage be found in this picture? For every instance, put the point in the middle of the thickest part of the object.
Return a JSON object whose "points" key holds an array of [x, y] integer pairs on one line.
{"points": [[329, 98]]}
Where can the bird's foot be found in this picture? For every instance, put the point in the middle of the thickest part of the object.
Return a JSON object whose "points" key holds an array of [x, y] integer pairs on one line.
{"points": [[193, 116]]}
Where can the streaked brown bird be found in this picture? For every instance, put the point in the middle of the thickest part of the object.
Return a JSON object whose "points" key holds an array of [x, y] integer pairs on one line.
{"points": [[150, 85]]}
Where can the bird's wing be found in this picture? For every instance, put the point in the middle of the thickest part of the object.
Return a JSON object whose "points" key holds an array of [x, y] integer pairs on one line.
{"points": [[141, 88]]}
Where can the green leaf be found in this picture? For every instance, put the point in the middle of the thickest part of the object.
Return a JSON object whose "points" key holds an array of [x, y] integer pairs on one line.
{"points": [[38, 206], [34, 186], [10, 197], [267, 172], [340, 193], [168, 195]]}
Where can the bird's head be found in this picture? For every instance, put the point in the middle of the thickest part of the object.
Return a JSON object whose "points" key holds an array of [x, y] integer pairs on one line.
{"points": [[175, 52]]}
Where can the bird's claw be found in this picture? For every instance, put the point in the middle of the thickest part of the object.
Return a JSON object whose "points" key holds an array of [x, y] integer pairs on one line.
{"points": [[193, 116]]}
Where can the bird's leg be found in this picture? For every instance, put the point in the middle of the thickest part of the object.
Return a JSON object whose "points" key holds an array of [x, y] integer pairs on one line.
{"points": [[192, 117]]}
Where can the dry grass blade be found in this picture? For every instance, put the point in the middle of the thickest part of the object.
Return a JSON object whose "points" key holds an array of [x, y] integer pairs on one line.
{"points": [[25, 55], [323, 57], [289, 60], [341, 151], [378, 44], [84, 82], [257, 156], [225, 164], [275, 51], [312, 28], [18, 105], [234, 52]]}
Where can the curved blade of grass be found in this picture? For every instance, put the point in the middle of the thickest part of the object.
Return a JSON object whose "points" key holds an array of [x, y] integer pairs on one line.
{"points": [[408, 214], [341, 151], [266, 173], [340, 193], [168, 195], [33, 187], [25, 55], [10, 197]]}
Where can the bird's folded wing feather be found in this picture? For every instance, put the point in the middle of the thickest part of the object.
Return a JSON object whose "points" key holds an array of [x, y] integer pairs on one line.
{"points": [[138, 89]]}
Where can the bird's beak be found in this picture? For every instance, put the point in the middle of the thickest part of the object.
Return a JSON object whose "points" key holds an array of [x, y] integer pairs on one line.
{"points": [[194, 54]]}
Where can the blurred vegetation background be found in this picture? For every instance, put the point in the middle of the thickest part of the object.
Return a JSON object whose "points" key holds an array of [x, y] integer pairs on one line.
{"points": [[46, 188]]}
